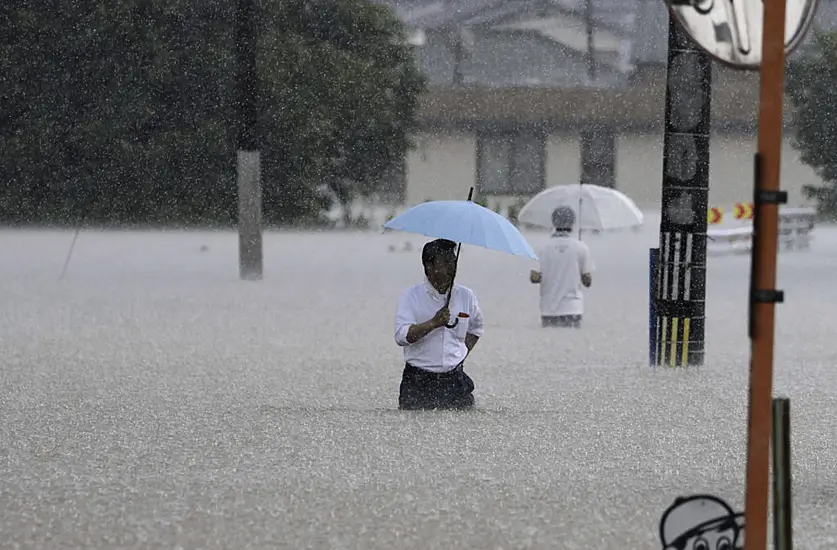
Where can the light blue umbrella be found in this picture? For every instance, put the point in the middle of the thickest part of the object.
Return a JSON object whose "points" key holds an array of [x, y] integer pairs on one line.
{"points": [[463, 222]]}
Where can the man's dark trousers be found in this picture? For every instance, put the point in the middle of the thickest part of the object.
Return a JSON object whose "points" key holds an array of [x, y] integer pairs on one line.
{"points": [[421, 389]]}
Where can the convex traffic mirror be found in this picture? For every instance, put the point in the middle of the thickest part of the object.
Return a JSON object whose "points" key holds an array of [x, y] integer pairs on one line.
{"points": [[731, 30]]}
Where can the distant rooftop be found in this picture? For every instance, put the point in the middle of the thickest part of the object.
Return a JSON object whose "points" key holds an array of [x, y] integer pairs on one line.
{"points": [[639, 27]]}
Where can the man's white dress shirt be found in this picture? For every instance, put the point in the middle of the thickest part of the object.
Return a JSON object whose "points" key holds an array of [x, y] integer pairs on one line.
{"points": [[562, 261], [443, 348]]}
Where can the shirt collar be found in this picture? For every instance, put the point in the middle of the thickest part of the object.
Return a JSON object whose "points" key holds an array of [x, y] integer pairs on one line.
{"points": [[432, 292], [561, 233]]}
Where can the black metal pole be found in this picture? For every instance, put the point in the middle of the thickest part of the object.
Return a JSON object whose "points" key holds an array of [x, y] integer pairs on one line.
{"points": [[782, 473], [681, 291], [652, 313], [248, 161]]}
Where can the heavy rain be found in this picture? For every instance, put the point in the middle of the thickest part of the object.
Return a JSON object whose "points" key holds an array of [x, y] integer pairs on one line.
{"points": [[182, 368]]}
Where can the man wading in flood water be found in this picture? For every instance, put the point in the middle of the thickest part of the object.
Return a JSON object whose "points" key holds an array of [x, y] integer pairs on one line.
{"points": [[434, 350], [566, 268]]}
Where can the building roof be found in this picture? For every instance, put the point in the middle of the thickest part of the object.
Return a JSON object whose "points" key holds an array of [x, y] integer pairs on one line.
{"points": [[639, 107], [637, 29], [642, 24]]}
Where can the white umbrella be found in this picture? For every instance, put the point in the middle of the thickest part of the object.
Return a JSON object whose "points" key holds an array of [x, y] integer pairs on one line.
{"points": [[596, 208]]}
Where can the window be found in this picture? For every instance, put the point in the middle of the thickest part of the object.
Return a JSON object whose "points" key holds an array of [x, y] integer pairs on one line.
{"points": [[510, 163], [598, 156]]}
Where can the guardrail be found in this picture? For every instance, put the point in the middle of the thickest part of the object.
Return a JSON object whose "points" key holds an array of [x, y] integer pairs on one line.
{"points": [[796, 226]]}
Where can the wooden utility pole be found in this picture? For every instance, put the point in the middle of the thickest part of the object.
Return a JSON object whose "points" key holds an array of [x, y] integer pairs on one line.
{"points": [[763, 293]]}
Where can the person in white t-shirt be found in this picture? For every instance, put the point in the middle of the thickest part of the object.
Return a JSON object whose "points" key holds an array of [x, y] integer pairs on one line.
{"points": [[565, 268], [436, 337]]}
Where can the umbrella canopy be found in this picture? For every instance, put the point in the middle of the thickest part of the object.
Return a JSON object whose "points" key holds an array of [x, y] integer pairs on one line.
{"points": [[595, 207], [463, 222]]}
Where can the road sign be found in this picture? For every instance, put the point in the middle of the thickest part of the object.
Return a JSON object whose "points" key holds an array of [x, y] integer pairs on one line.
{"points": [[743, 211], [731, 31], [715, 215]]}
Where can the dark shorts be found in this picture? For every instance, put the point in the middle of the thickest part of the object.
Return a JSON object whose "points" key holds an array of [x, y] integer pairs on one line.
{"points": [[421, 389], [564, 321]]}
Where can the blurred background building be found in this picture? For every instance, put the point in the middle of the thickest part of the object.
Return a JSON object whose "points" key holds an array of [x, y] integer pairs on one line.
{"points": [[526, 94]]}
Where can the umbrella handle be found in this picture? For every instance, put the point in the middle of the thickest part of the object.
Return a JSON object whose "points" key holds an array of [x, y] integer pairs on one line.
{"points": [[450, 290], [452, 279], [456, 265]]}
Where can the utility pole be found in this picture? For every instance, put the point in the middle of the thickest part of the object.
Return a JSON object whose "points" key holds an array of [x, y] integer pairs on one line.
{"points": [[592, 128], [597, 141], [591, 47], [248, 173], [764, 296], [680, 295]]}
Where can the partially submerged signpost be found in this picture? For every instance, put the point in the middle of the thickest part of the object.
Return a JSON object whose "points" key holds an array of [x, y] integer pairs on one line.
{"points": [[756, 35]]}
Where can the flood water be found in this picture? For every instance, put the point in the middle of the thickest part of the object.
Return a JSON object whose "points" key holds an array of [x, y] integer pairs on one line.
{"points": [[150, 399]]}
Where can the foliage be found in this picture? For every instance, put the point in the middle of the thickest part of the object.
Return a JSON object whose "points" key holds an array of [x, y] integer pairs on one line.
{"points": [[124, 112], [812, 89], [514, 210]]}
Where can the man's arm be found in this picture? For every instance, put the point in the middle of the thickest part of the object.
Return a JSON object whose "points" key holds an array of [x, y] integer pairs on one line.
{"points": [[418, 331], [586, 266], [535, 275], [407, 328], [404, 319], [475, 325]]}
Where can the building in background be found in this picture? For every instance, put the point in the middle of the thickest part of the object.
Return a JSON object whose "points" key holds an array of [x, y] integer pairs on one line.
{"points": [[526, 94]]}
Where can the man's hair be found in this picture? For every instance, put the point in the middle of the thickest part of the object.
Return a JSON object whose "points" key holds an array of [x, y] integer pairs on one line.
{"points": [[563, 218], [436, 248]]}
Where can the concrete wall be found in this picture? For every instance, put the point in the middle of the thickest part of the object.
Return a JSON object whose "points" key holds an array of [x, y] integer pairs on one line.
{"points": [[444, 167], [563, 159], [640, 161]]}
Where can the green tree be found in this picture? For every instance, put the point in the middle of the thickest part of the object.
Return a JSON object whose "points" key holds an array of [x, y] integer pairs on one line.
{"points": [[117, 113], [340, 82], [812, 88], [123, 112]]}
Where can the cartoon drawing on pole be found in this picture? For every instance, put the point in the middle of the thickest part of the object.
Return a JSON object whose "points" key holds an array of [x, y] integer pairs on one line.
{"points": [[701, 522]]}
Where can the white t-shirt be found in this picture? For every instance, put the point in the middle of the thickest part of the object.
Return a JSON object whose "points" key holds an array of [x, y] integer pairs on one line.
{"points": [[562, 261]]}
